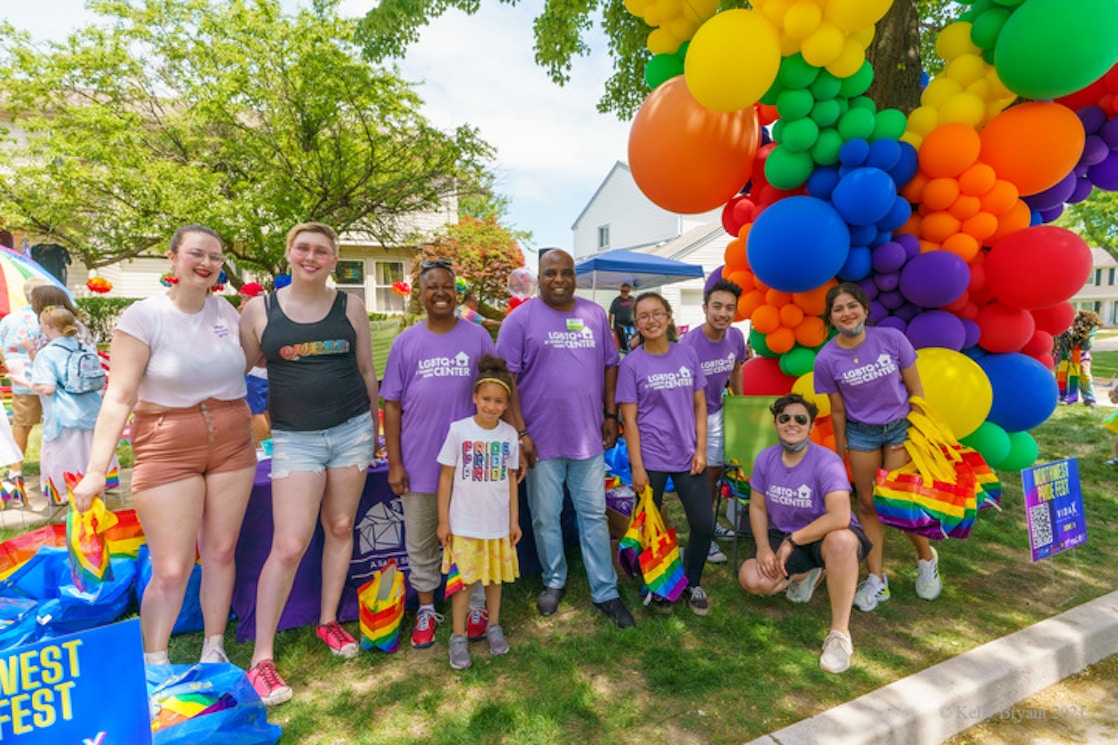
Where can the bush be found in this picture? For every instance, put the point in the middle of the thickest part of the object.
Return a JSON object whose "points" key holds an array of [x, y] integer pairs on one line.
{"points": [[100, 314]]}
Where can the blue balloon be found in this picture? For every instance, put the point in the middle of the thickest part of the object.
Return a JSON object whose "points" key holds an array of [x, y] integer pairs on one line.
{"points": [[884, 154], [857, 264], [797, 244], [906, 167], [822, 182], [862, 235], [864, 196], [1024, 391], [897, 216], [853, 153]]}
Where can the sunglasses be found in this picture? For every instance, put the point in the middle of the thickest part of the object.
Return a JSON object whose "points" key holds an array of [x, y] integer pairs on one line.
{"points": [[801, 419], [435, 264]]}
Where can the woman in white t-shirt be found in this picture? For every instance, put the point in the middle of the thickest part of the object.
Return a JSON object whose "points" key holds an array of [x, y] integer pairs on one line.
{"points": [[177, 363]]}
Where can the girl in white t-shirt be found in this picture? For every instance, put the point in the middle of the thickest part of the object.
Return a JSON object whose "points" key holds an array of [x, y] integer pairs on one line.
{"points": [[480, 526]]}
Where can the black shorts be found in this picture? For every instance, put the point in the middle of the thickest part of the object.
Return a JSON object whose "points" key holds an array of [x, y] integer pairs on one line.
{"points": [[810, 556]]}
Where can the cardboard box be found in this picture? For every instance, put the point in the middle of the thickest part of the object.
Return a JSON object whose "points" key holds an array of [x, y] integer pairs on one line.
{"points": [[618, 523]]}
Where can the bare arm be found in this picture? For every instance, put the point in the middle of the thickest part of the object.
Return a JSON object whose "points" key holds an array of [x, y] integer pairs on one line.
{"points": [[515, 416], [837, 517], [130, 360], [699, 459], [735, 378], [911, 377], [393, 419], [251, 330], [609, 405], [838, 423], [446, 481], [355, 312], [769, 564], [515, 533], [633, 444]]}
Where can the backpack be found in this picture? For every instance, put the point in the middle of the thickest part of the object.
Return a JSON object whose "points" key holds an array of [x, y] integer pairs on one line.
{"points": [[82, 372]]}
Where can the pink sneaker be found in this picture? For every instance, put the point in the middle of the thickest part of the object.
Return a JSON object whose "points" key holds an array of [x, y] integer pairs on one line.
{"points": [[268, 684], [476, 624], [338, 639]]}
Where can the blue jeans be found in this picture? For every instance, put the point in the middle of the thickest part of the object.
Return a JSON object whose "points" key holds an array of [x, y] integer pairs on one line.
{"points": [[585, 480]]}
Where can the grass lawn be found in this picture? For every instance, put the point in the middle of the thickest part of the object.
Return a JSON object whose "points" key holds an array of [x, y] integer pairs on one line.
{"points": [[748, 668]]}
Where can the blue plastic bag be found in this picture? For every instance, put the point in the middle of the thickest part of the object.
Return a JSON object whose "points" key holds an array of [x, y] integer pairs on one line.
{"points": [[17, 621], [190, 617], [233, 713]]}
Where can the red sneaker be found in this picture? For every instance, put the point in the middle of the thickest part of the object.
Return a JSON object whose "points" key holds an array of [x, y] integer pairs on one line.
{"points": [[476, 624], [268, 684], [426, 622], [337, 639]]}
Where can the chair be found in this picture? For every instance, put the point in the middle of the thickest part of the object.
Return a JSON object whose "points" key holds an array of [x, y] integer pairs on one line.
{"points": [[747, 430]]}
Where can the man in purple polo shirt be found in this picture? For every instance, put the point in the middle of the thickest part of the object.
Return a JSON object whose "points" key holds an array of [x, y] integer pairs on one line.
{"points": [[721, 351], [561, 353], [429, 383]]}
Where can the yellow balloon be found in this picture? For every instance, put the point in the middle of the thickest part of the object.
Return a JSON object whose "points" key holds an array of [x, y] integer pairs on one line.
{"points": [[699, 11], [864, 35], [732, 60], [954, 41], [824, 46], [964, 108], [849, 60], [661, 41], [805, 386], [802, 19], [774, 10], [967, 68], [854, 14], [940, 91], [956, 387], [923, 120]]}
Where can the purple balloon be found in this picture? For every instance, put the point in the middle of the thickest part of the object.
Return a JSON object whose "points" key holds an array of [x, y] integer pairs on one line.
{"points": [[888, 281], [1104, 175], [937, 328], [1050, 215], [1109, 133], [1095, 150], [868, 287], [935, 279], [891, 300], [910, 243], [889, 257], [1083, 188], [907, 311], [715, 276], [1092, 117], [973, 332], [878, 313], [894, 323], [1053, 196]]}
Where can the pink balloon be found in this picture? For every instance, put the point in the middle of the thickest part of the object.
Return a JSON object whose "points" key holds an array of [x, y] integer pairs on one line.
{"points": [[1038, 267]]}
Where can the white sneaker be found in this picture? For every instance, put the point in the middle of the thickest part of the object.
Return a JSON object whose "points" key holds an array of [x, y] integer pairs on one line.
{"points": [[837, 650], [928, 583], [722, 533], [800, 591], [870, 592], [213, 650], [715, 555]]}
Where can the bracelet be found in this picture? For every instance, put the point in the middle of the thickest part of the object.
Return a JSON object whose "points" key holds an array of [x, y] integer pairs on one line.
{"points": [[522, 434], [791, 542], [608, 415]]}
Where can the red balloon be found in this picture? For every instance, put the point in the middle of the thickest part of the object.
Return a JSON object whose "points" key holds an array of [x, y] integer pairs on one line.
{"points": [[1039, 345], [1038, 267], [1055, 320], [1004, 328], [762, 376], [686, 158]]}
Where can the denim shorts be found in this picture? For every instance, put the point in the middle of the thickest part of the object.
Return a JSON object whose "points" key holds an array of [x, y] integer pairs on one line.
{"points": [[869, 437], [348, 444]]}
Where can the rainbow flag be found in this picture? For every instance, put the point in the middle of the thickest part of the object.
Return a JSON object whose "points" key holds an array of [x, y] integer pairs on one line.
{"points": [[52, 495], [629, 546], [112, 478], [179, 708], [454, 581], [381, 602], [19, 493], [124, 538], [85, 540], [662, 567]]}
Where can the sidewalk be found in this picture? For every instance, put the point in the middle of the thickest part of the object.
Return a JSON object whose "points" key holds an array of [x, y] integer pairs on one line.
{"points": [[40, 512], [931, 706]]}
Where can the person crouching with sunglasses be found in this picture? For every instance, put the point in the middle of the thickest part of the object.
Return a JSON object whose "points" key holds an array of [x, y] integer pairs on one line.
{"points": [[803, 529]]}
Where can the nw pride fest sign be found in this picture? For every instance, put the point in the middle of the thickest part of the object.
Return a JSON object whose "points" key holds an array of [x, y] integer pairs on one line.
{"points": [[1054, 507]]}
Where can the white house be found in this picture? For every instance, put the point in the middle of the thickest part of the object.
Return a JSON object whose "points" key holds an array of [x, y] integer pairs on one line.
{"points": [[1100, 294], [619, 215]]}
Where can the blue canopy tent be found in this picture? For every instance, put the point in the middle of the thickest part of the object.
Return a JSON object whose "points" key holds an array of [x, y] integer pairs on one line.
{"points": [[609, 270]]}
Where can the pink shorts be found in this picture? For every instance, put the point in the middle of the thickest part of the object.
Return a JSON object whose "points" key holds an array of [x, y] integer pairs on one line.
{"points": [[210, 437]]}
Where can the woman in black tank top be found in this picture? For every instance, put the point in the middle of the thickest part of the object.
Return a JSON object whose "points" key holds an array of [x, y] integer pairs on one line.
{"points": [[322, 401]]}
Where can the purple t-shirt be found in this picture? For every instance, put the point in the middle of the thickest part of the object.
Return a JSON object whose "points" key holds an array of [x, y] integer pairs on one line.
{"points": [[868, 376], [432, 377], [663, 388], [796, 496], [717, 359], [560, 359]]}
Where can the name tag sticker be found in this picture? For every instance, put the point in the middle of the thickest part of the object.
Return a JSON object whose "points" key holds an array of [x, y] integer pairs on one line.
{"points": [[575, 324]]}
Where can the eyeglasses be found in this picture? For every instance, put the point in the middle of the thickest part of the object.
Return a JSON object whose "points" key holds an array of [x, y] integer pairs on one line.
{"points": [[428, 264], [658, 315], [801, 419]]}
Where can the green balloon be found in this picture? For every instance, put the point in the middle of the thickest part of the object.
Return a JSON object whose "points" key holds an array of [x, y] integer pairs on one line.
{"points": [[991, 442], [795, 72], [778, 130], [786, 169], [986, 27], [800, 135], [662, 68], [773, 93], [1023, 452], [794, 103], [826, 113], [857, 124], [797, 361], [863, 102], [888, 123], [858, 83], [757, 342], [1050, 48], [825, 152], [826, 86]]}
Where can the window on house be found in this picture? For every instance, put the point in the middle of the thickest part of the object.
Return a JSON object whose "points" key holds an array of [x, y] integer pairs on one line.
{"points": [[1098, 277], [603, 237], [1110, 281], [384, 274]]}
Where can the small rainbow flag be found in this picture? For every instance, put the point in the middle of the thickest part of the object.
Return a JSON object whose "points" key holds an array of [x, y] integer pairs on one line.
{"points": [[86, 541], [454, 581], [179, 708], [51, 493], [112, 478], [19, 493], [381, 602]]}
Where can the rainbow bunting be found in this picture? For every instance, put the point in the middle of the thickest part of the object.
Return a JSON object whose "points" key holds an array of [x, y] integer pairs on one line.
{"points": [[85, 540], [381, 602], [454, 581]]}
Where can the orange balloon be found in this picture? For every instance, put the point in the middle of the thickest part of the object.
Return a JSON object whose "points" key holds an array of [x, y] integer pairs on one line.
{"points": [[977, 179], [791, 315], [1000, 198], [912, 224], [766, 319], [1033, 145], [981, 226], [1016, 218], [949, 149], [749, 302], [962, 245], [939, 226], [686, 158], [777, 298], [811, 332], [914, 189], [743, 278], [814, 302], [940, 193], [781, 340], [965, 207], [735, 257]]}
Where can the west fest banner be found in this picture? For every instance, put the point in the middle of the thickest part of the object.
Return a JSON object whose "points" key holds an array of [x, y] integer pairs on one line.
{"points": [[1054, 507], [81, 689]]}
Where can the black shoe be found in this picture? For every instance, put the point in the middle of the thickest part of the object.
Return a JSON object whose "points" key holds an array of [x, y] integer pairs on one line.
{"points": [[548, 601], [661, 605], [616, 611]]}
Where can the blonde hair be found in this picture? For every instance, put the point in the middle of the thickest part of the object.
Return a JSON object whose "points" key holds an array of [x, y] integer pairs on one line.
{"points": [[61, 319], [314, 227], [30, 284]]}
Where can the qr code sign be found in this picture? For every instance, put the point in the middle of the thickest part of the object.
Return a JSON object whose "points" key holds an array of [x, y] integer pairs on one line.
{"points": [[1040, 522]]}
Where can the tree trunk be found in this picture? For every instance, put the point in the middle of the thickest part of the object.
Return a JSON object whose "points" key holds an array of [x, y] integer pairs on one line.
{"points": [[895, 56]]}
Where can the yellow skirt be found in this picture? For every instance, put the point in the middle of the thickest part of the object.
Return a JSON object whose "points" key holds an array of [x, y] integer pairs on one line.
{"points": [[485, 560]]}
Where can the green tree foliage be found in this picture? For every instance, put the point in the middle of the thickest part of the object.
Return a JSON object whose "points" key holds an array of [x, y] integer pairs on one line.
{"points": [[229, 113], [484, 253], [1096, 220]]}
